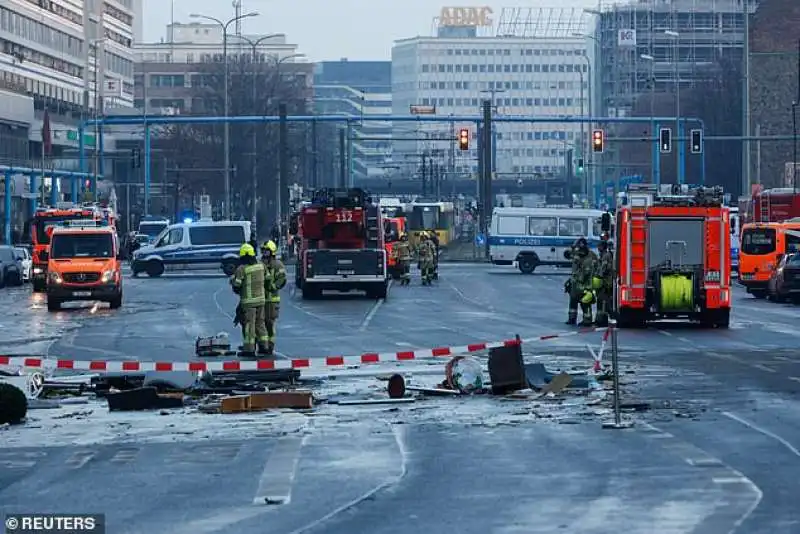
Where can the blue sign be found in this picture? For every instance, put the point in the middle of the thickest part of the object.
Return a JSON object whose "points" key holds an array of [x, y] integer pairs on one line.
{"points": [[480, 239]]}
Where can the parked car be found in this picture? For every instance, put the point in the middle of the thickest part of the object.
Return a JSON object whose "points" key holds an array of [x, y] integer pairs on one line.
{"points": [[784, 282], [11, 267], [25, 258]]}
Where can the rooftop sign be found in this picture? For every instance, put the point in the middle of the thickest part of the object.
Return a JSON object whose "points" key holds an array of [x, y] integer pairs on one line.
{"points": [[465, 16]]}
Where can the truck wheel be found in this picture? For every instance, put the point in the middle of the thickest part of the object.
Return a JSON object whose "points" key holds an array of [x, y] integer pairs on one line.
{"points": [[379, 292], [527, 264], [116, 302], [631, 319], [154, 268], [38, 287], [53, 304], [723, 318], [759, 293], [229, 267]]}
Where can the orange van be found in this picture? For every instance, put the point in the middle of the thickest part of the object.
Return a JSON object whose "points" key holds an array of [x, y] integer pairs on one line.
{"points": [[84, 264], [394, 227], [762, 246]]}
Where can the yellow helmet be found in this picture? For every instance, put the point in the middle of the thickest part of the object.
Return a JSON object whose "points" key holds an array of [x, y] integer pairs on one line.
{"points": [[271, 246], [247, 250]]}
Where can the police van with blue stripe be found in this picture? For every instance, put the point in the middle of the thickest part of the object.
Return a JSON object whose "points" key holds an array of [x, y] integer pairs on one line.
{"points": [[530, 237], [193, 245]]}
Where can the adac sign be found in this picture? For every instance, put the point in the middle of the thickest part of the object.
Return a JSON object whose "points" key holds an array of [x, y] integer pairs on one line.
{"points": [[465, 16]]}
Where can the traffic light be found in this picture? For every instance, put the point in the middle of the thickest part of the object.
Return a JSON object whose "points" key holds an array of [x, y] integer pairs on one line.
{"points": [[597, 141], [463, 139], [697, 141], [87, 184], [580, 165], [136, 158], [665, 140]]}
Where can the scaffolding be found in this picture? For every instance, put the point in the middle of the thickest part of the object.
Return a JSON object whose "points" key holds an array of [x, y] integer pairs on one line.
{"points": [[543, 22]]}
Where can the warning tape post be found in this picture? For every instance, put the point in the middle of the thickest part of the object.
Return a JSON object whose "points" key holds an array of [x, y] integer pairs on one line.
{"points": [[113, 366]]}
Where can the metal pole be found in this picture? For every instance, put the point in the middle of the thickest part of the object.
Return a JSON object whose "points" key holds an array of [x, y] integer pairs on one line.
{"points": [[794, 146], [147, 164], [678, 169], [314, 157], [758, 154], [586, 150], [342, 157], [227, 127], [128, 207], [254, 198], [7, 208], [615, 372], [488, 148], [283, 161], [583, 136], [746, 102]]}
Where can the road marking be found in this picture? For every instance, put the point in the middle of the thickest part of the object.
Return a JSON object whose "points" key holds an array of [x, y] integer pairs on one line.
{"points": [[704, 462], [373, 311], [275, 485], [685, 340], [403, 344], [124, 456], [729, 480], [763, 368], [79, 459], [796, 379], [791, 448], [664, 332], [220, 308]]}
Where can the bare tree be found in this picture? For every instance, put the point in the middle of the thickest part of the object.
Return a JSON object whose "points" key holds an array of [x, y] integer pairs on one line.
{"points": [[255, 89], [716, 99]]}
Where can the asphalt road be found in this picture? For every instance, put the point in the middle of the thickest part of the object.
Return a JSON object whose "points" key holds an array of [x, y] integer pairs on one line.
{"points": [[720, 447]]}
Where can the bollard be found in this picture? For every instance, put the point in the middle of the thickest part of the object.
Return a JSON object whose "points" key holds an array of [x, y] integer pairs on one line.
{"points": [[615, 377]]}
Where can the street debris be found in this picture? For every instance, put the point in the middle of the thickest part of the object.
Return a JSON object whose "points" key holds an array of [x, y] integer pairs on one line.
{"points": [[13, 404], [502, 387], [213, 346]]}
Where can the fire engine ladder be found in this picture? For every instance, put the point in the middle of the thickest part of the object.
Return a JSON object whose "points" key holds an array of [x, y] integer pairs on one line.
{"points": [[638, 252], [372, 214], [763, 208]]}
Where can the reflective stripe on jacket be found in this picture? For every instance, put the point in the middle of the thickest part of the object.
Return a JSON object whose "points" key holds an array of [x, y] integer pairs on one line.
{"points": [[275, 278], [249, 279]]}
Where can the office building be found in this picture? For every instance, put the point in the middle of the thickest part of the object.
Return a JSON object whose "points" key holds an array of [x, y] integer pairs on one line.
{"points": [[361, 90], [531, 62]]}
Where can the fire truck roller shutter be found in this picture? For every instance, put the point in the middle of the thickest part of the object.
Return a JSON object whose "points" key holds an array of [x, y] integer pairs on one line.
{"points": [[677, 292]]}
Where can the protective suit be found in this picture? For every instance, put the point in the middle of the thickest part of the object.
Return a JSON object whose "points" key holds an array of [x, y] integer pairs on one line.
{"points": [[402, 252], [275, 280], [426, 254], [579, 285], [435, 242], [603, 283], [249, 283]]}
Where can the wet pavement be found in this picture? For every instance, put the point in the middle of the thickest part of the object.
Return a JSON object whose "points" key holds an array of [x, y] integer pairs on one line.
{"points": [[721, 436]]}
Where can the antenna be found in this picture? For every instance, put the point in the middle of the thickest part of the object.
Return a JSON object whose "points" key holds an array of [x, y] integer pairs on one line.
{"points": [[237, 6]]}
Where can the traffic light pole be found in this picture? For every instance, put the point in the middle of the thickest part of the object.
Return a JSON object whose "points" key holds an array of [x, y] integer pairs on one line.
{"points": [[486, 174]]}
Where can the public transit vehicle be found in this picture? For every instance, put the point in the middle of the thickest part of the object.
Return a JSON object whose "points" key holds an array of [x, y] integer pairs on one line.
{"points": [[438, 217], [763, 246]]}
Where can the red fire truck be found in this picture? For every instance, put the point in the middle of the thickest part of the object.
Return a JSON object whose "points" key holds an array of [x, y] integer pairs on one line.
{"points": [[772, 205], [340, 244], [673, 249], [44, 219]]}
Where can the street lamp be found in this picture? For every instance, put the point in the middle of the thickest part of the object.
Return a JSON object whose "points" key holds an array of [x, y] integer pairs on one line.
{"points": [[675, 36], [652, 60], [254, 47], [98, 102], [591, 95], [227, 126]]}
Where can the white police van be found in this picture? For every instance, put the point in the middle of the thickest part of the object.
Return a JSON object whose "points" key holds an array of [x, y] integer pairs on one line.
{"points": [[193, 245], [531, 237]]}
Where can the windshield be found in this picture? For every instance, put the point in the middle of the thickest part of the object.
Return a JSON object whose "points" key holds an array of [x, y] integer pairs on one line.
{"points": [[793, 260], [7, 255], [82, 246], [424, 218], [758, 241], [152, 229]]}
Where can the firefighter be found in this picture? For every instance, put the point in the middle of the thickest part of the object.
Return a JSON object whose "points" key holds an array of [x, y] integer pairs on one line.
{"points": [[426, 265], [579, 285], [435, 241], [402, 252], [603, 282], [275, 278], [249, 283]]}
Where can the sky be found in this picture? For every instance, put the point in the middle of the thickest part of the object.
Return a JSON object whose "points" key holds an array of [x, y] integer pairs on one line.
{"points": [[325, 30]]}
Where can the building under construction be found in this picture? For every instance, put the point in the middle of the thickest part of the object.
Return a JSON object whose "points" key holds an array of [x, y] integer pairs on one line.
{"points": [[649, 47]]}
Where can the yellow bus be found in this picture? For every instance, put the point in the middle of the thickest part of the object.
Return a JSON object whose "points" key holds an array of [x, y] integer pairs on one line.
{"points": [[439, 217]]}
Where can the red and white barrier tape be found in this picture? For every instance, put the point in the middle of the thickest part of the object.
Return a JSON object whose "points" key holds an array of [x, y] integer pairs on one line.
{"points": [[105, 366]]}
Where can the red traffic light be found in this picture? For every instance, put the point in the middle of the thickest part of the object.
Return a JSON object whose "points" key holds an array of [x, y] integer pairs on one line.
{"points": [[463, 139], [87, 183], [597, 140]]}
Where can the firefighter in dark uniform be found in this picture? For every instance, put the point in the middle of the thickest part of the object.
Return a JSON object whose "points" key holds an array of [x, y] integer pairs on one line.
{"points": [[579, 285], [435, 240], [603, 282]]}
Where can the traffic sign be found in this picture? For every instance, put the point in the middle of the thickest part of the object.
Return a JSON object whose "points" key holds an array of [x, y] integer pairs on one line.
{"points": [[480, 239]]}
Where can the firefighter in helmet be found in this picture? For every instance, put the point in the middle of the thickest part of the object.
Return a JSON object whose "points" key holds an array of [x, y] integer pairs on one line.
{"points": [[275, 280], [579, 285], [249, 283]]}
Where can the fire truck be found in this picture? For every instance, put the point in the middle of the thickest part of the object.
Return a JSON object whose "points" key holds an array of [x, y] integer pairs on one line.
{"points": [[772, 205], [41, 225], [340, 244], [673, 249]]}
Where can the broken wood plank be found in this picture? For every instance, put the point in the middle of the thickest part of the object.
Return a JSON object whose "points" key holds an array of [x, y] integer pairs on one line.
{"points": [[235, 404], [299, 400]]}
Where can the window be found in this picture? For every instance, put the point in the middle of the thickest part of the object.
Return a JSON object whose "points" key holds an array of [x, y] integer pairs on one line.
{"points": [[507, 225], [572, 227], [7, 255], [793, 260], [82, 246], [151, 229], [217, 235], [175, 236], [758, 241], [542, 226], [792, 243]]}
